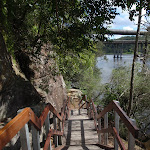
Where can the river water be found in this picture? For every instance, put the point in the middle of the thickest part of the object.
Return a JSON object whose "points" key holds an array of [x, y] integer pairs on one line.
{"points": [[107, 63]]}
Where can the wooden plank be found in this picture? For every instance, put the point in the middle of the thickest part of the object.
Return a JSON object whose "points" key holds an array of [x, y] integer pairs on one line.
{"points": [[107, 130], [12, 128]]}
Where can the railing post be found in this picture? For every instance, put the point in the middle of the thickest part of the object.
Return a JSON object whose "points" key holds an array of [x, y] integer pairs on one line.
{"points": [[24, 136], [66, 110], [55, 128], [60, 129], [99, 128], [79, 110], [131, 142], [95, 118], [47, 127], [90, 110], [117, 127], [106, 126], [35, 138]]}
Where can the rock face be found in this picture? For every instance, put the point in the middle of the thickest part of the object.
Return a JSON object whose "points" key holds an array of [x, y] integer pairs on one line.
{"points": [[41, 83], [47, 80], [15, 92]]}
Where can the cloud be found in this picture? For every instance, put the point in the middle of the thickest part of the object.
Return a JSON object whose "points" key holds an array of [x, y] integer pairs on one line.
{"points": [[121, 21], [127, 28]]}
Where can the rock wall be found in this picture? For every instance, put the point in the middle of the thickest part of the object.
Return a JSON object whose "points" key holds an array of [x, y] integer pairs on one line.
{"points": [[35, 82], [47, 80]]}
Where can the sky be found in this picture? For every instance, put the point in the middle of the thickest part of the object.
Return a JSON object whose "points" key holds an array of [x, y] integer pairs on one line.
{"points": [[122, 22]]}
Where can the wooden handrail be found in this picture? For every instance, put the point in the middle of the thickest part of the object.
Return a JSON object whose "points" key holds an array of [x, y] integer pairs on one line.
{"points": [[12, 128], [113, 105], [15, 125]]}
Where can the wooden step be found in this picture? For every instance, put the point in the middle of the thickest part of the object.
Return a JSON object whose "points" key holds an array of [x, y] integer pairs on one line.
{"points": [[79, 132]]}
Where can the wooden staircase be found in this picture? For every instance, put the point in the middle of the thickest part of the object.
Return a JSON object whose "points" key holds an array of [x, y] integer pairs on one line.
{"points": [[79, 132], [76, 129]]}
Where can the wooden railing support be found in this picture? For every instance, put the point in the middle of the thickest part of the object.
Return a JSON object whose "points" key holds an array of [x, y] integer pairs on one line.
{"points": [[24, 138], [47, 128], [105, 127], [66, 110], [91, 110], [35, 138], [99, 128], [60, 129], [55, 128], [79, 109], [131, 142], [117, 127]]}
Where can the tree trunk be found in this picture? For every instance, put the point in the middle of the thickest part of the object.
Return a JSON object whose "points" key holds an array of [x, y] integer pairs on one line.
{"points": [[145, 51], [133, 64]]}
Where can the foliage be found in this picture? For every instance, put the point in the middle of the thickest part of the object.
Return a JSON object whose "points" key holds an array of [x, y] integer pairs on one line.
{"points": [[79, 71], [68, 24], [118, 89]]}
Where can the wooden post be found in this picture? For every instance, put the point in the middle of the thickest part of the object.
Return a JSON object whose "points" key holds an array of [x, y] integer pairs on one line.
{"points": [[99, 128], [79, 110], [91, 110], [47, 127], [87, 108], [86, 104], [66, 110], [60, 129], [131, 142], [35, 138], [117, 127], [55, 128], [106, 126], [24, 136], [95, 118]]}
